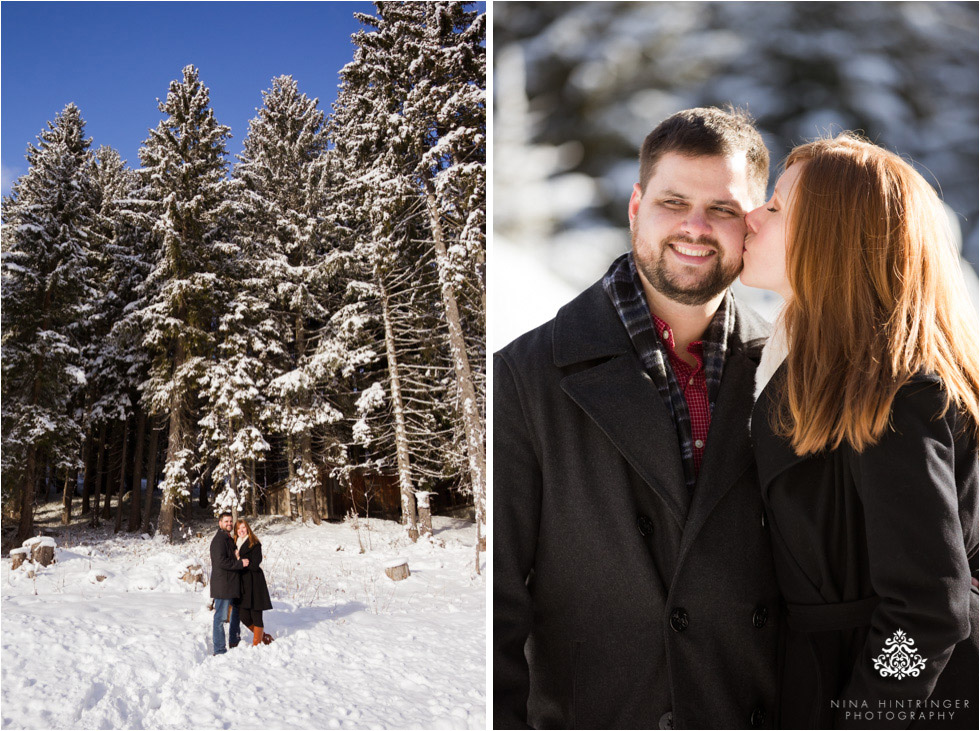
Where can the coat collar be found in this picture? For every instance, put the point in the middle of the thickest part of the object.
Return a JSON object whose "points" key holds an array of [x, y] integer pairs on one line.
{"points": [[609, 383], [773, 453], [588, 328]]}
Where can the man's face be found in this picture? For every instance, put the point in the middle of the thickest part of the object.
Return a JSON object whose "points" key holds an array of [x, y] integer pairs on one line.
{"points": [[224, 523], [688, 227]]}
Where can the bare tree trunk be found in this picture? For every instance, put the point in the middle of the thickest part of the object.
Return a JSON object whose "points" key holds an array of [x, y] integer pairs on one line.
{"points": [[305, 442], [265, 485], [174, 447], [184, 512], [331, 505], [233, 484], [89, 456], [207, 484], [478, 539], [291, 466], [110, 483], [309, 499], [252, 507], [100, 471], [409, 515], [151, 473], [25, 527], [134, 500], [68, 493], [122, 477], [472, 422], [315, 500]]}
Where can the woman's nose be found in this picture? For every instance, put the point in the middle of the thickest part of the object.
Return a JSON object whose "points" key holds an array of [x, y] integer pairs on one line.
{"points": [[752, 220]]}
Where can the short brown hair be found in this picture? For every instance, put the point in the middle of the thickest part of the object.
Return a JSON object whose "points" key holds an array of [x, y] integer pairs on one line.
{"points": [[708, 131]]}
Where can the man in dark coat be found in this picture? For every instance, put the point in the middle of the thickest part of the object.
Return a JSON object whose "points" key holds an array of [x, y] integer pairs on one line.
{"points": [[226, 585], [633, 579]]}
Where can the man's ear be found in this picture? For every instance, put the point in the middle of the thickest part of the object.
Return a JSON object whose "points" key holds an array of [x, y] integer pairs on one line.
{"points": [[634, 205]]}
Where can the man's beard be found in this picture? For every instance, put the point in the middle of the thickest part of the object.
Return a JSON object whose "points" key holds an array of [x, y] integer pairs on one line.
{"points": [[714, 280]]}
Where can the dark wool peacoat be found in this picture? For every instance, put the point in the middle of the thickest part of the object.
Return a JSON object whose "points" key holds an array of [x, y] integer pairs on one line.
{"points": [[255, 592], [225, 583], [874, 553], [621, 600]]}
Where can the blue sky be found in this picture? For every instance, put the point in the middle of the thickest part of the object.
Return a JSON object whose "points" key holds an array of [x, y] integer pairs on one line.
{"points": [[115, 59]]}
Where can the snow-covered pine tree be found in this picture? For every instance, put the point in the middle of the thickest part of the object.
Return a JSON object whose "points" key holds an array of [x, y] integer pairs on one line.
{"points": [[380, 210], [183, 171], [46, 285], [115, 360], [293, 269], [234, 401], [446, 111], [412, 131]]}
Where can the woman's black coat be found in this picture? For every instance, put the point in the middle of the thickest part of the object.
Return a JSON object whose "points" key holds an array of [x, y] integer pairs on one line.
{"points": [[255, 592], [875, 551]]}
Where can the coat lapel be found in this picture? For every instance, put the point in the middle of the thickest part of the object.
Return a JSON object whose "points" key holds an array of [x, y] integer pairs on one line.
{"points": [[609, 383], [624, 403], [774, 454], [729, 449]]}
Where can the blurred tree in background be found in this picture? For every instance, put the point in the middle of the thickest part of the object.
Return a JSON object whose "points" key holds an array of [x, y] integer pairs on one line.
{"points": [[578, 85]]}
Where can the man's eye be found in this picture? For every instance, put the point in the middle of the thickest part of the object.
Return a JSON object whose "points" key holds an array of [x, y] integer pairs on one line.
{"points": [[726, 211]]}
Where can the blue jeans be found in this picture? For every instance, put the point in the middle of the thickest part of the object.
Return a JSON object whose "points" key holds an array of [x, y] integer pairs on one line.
{"points": [[234, 629]]}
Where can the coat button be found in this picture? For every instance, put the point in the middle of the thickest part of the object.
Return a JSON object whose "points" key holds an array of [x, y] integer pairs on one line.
{"points": [[760, 617], [666, 720], [758, 718], [678, 620], [645, 525]]}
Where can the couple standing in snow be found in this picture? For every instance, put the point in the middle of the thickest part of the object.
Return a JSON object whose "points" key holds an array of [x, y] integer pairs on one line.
{"points": [[238, 585], [697, 525]]}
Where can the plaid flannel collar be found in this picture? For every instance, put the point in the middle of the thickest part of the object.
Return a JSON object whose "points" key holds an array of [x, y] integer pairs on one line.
{"points": [[622, 284]]}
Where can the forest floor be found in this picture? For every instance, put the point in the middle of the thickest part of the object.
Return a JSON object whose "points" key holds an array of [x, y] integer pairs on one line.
{"points": [[352, 648]]}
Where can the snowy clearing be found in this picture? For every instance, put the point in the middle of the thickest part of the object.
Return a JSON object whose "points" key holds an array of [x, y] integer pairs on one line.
{"points": [[352, 648]]}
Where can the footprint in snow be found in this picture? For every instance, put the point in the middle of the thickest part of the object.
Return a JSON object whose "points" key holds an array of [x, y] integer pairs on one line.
{"points": [[95, 694]]}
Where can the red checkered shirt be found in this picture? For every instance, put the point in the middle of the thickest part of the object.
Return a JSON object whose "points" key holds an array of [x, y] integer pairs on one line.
{"points": [[692, 382]]}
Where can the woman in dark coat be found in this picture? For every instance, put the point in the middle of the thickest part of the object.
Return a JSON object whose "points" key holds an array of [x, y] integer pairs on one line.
{"points": [[865, 432], [255, 592]]}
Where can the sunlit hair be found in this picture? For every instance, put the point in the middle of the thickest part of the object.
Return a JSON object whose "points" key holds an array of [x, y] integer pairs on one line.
{"points": [[878, 296], [252, 540], [708, 131]]}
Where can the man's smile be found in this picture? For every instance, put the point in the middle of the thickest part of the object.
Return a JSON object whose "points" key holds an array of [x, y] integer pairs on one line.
{"points": [[691, 253]]}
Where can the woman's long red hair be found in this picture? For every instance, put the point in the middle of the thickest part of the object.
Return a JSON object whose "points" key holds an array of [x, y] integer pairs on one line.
{"points": [[878, 296]]}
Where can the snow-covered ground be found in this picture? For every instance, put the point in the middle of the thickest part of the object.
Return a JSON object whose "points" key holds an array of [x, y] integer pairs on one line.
{"points": [[352, 648]]}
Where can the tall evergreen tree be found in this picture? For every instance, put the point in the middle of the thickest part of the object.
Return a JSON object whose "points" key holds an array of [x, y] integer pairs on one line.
{"points": [[183, 170], [292, 267], [46, 285], [409, 125], [115, 360], [378, 201], [446, 109]]}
